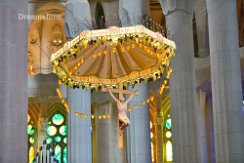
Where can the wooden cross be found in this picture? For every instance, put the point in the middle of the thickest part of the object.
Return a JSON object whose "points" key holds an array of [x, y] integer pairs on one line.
{"points": [[121, 91]]}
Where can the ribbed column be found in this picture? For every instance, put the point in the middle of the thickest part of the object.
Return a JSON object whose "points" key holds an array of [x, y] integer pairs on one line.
{"points": [[132, 12], [138, 133], [110, 9], [79, 129], [13, 81], [182, 82], [226, 81], [106, 133], [77, 18], [201, 18]]}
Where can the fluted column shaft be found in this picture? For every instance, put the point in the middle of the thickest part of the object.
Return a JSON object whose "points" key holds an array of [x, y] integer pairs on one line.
{"points": [[106, 133], [226, 81], [79, 129], [182, 82], [138, 135], [13, 81]]}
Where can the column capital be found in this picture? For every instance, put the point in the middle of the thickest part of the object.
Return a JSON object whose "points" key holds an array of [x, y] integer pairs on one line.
{"points": [[77, 17], [170, 6]]}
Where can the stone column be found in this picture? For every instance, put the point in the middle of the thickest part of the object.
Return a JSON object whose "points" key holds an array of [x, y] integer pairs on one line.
{"points": [[226, 81], [79, 129], [13, 81], [110, 9], [159, 129], [77, 18], [132, 12], [106, 137], [178, 15], [138, 133], [201, 125], [201, 18]]}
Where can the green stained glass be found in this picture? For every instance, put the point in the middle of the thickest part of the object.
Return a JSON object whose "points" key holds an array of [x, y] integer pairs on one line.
{"points": [[58, 119], [51, 130], [64, 158], [31, 140], [57, 153], [63, 130], [65, 140], [57, 138], [30, 130], [49, 140], [65, 149], [168, 123]]}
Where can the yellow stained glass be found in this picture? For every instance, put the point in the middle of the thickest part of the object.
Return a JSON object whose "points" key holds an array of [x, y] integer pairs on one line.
{"points": [[169, 152], [31, 154], [51, 130], [168, 134]]}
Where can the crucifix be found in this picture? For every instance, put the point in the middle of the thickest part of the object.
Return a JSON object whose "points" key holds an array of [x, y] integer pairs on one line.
{"points": [[123, 120]]}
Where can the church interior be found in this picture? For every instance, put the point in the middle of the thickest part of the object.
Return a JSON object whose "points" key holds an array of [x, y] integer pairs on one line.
{"points": [[61, 59]]}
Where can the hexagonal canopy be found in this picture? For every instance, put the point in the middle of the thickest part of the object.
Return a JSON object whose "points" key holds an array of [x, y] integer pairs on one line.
{"points": [[111, 56]]}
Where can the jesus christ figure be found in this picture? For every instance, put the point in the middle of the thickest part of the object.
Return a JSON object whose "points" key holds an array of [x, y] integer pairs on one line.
{"points": [[122, 109]]}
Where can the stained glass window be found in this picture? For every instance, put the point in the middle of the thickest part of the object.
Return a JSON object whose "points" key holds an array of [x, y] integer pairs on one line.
{"points": [[58, 152], [63, 130], [31, 154], [168, 134], [31, 132], [168, 123], [57, 119], [168, 139], [57, 136], [51, 130], [169, 153], [152, 140]]}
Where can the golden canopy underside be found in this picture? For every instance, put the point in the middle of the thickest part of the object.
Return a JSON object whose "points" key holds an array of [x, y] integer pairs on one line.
{"points": [[112, 56], [111, 62]]}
